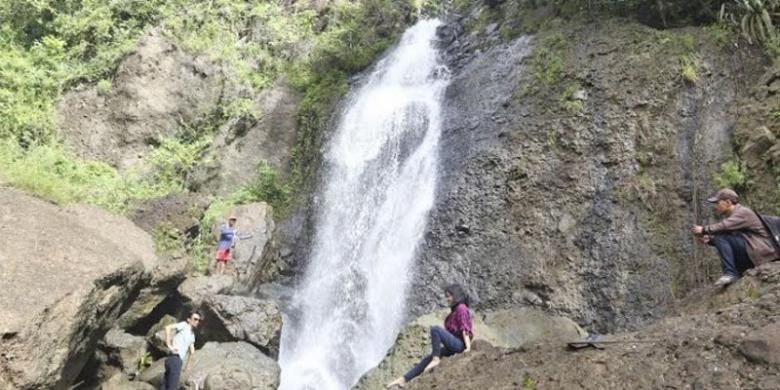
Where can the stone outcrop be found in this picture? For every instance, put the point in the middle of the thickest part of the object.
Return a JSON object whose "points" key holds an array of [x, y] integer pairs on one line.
{"points": [[81, 268], [157, 89], [576, 195], [763, 345], [256, 321], [195, 290], [504, 328], [241, 144], [238, 366]]}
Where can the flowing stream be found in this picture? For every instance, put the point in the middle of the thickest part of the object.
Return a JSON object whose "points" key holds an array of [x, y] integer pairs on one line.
{"points": [[380, 177]]}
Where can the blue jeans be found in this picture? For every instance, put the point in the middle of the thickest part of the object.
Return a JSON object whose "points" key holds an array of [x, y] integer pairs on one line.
{"points": [[443, 343], [172, 373], [734, 259]]}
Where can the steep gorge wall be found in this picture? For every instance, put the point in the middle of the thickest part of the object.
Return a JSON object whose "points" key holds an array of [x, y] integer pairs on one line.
{"points": [[575, 190]]}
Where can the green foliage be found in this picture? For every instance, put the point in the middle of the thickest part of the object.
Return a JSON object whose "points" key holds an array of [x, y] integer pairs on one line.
{"points": [[313, 117], [30, 81], [732, 175], [529, 383], [168, 240], [723, 34], [143, 360], [756, 18], [569, 102], [52, 173], [103, 87], [547, 59], [689, 69], [174, 161], [266, 187]]}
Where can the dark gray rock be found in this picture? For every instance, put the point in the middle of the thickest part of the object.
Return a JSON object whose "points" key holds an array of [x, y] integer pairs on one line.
{"points": [[589, 211], [123, 349], [256, 321]]}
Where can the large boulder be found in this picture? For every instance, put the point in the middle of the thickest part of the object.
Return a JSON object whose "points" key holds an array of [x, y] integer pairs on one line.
{"points": [[504, 328], [763, 345], [196, 289], [81, 268], [235, 366], [256, 321], [256, 259], [157, 88]]}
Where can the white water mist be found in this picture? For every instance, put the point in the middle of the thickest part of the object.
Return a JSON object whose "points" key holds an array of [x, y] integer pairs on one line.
{"points": [[380, 176]]}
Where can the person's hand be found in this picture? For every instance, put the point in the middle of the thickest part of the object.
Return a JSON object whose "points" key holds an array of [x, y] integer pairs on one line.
{"points": [[466, 350], [172, 348], [697, 229], [703, 239]]}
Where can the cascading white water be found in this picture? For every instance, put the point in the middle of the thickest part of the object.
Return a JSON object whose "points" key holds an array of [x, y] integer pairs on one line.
{"points": [[380, 172]]}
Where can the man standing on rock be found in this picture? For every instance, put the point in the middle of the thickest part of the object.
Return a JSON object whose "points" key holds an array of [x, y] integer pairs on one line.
{"points": [[740, 238], [227, 240], [180, 339]]}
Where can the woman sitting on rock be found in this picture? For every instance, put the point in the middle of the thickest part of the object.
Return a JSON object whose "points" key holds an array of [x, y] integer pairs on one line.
{"points": [[454, 338]]}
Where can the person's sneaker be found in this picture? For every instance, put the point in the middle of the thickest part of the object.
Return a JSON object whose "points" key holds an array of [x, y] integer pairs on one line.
{"points": [[725, 280]]}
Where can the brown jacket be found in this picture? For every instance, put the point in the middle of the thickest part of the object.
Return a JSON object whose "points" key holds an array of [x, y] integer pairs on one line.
{"points": [[745, 222]]}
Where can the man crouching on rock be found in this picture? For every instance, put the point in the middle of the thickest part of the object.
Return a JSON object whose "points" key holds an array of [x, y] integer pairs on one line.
{"points": [[180, 339], [740, 238]]}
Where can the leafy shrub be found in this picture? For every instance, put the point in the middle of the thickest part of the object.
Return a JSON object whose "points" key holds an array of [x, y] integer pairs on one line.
{"points": [[569, 102], [732, 175], [689, 69], [52, 173], [266, 187], [174, 161], [547, 59], [103, 87]]}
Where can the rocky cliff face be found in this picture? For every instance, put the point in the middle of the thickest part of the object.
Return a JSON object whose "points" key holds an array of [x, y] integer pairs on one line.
{"points": [[573, 164]]}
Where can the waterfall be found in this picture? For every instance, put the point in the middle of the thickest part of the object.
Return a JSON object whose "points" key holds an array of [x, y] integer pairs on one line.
{"points": [[379, 182]]}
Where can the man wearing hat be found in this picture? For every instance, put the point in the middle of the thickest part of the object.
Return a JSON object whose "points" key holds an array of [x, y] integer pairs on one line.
{"points": [[740, 238]]}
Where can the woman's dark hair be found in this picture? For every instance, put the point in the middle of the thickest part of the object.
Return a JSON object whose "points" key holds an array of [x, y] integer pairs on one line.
{"points": [[458, 295]]}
